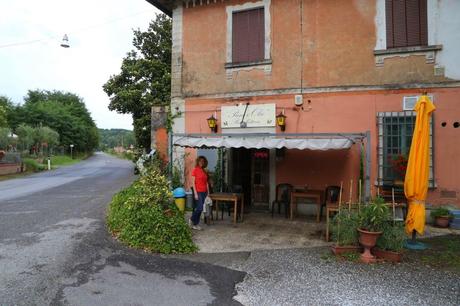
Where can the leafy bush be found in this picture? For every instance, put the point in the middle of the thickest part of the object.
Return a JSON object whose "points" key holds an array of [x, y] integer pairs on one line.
{"points": [[344, 228], [441, 212], [33, 165], [393, 237], [374, 215], [145, 216]]}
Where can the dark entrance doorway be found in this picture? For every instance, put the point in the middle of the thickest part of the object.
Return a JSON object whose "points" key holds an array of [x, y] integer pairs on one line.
{"points": [[260, 179], [240, 168], [249, 170]]}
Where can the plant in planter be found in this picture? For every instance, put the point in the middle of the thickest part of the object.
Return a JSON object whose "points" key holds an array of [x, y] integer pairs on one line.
{"points": [[441, 216], [344, 232], [390, 244], [372, 218]]}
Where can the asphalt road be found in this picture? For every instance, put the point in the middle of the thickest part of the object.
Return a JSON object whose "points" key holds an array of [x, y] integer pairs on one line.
{"points": [[55, 249]]}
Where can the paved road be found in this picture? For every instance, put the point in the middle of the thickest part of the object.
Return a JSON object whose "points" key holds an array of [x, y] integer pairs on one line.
{"points": [[55, 250]]}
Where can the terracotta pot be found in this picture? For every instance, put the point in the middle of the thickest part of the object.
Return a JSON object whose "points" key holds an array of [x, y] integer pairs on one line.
{"points": [[387, 255], [442, 221], [342, 249], [368, 241]]}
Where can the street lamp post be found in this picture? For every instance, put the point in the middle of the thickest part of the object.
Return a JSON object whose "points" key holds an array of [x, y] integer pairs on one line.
{"points": [[71, 151]]}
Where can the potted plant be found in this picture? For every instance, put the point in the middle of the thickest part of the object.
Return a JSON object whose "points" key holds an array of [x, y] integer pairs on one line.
{"points": [[391, 243], [372, 218], [344, 232], [441, 216]]}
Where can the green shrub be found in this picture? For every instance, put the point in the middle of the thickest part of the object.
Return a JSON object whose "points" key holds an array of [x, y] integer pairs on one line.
{"points": [[33, 165], [393, 237], [374, 215], [145, 216], [441, 212], [345, 228]]}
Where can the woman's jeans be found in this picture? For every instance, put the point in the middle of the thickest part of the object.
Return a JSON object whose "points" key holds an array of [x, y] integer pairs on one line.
{"points": [[199, 208]]}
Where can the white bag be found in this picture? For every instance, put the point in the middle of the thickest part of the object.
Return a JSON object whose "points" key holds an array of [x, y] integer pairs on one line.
{"points": [[207, 206]]}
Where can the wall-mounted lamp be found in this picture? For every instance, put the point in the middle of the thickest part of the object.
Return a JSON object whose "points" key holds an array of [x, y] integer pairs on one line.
{"points": [[212, 123], [281, 121]]}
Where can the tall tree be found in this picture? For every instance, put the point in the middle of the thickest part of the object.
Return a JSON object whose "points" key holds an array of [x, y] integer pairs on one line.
{"points": [[145, 77], [6, 111], [63, 112]]}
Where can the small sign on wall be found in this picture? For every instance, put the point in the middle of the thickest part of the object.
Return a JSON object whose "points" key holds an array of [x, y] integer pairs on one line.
{"points": [[253, 115]]}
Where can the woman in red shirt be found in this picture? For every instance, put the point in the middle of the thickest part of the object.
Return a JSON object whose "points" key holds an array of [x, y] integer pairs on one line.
{"points": [[200, 189]]}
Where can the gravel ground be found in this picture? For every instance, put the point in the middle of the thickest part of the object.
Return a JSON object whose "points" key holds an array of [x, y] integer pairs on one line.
{"points": [[308, 277]]}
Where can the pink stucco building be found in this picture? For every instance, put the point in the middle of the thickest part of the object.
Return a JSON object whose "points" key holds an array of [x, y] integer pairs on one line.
{"points": [[346, 75]]}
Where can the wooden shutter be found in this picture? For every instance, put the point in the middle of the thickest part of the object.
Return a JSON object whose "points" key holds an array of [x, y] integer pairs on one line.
{"points": [[423, 23], [406, 23], [389, 22], [248, 36], [399, 23]]}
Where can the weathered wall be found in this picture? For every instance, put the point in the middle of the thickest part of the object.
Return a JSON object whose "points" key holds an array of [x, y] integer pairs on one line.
{"points": [[349, 112], [335, 47]]}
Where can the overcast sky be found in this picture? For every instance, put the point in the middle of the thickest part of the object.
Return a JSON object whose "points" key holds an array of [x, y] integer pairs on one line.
{"points": [[100, 35]]}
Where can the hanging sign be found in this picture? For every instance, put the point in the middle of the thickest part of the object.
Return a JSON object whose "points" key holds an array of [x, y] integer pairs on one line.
{"points": [[252, 115]]}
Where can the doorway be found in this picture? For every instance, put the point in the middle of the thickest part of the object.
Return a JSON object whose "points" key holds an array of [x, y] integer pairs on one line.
{"points": [[249, 170]]}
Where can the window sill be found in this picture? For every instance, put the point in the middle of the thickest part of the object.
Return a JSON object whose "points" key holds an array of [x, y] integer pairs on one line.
{"points": [[248, 64], [428, 51], [405, 50]]}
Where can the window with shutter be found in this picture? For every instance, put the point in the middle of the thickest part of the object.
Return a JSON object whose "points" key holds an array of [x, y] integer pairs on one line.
{"points": [[248, 36], [406, 23]]}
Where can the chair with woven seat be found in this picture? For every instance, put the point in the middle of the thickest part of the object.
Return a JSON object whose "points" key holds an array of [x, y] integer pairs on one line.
{"points": [[283, 197]]}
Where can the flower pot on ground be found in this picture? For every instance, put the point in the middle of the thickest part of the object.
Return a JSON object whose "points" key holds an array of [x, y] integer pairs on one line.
{"points": [[372, 219], [344, 232], [441, 216], [390, 244]]}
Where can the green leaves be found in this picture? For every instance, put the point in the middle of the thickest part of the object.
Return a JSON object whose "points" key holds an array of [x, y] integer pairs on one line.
{"points": [[344, 227], [145, 216], [374, 215], [145, 77], [62, 112]]}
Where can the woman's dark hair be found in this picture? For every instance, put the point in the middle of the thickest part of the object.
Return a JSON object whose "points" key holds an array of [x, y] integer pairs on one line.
{"points": [[201, 157]]}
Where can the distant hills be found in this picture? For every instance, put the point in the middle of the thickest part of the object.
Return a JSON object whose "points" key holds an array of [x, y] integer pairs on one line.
{"points": [[110, 138]]}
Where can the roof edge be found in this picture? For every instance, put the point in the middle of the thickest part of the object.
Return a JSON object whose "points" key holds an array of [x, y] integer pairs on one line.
{"points": [[162, 5]]}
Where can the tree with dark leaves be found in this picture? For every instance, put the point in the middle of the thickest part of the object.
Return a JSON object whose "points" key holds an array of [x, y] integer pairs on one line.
{"points": [[145, 77]]}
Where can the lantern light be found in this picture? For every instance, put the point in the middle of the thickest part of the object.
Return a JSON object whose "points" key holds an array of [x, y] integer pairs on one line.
{"points": [[281, 121], [212, 123]]}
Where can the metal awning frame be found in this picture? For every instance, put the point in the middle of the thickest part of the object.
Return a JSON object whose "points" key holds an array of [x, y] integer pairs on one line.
{"points": [[354, 137]]}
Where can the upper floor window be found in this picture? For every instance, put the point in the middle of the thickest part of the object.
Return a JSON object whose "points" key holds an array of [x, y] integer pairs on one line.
{"points": [[248, 36], [406, 23]]}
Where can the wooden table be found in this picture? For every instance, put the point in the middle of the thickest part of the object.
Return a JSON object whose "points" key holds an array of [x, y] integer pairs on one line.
{"points": [[311, 194], [229, 197]]}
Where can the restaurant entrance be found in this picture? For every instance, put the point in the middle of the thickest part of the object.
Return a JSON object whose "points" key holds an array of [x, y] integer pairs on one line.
{"points": [[250, 173]]}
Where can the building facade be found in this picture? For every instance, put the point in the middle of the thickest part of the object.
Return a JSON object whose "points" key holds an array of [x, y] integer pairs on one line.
{"points": [[337, 68]]}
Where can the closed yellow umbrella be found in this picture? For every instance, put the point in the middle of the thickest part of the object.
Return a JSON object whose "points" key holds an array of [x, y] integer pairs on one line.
{"points": [[416, 180]]}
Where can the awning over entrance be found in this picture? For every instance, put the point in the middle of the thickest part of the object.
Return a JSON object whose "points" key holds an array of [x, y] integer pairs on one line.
{"points": [[268, 141]]}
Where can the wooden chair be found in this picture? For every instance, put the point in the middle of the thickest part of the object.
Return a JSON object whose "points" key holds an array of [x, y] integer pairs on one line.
{"points": [[331, 202], [283, 197]]}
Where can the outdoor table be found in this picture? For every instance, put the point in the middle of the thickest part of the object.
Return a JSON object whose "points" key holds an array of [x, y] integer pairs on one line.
{"points": [[229, 197], [311, 194]]}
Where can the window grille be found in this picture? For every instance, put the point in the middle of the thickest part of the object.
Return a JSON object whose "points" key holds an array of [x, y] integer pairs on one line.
{"points": [[395, 131]]}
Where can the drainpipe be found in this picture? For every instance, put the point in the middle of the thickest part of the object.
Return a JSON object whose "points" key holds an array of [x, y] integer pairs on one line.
{"points": [[367, 174]]}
